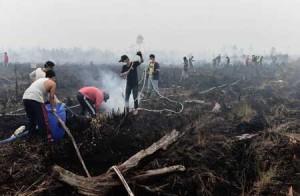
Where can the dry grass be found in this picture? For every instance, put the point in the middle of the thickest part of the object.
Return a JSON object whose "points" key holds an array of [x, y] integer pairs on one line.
{"points": [[265, 179]]}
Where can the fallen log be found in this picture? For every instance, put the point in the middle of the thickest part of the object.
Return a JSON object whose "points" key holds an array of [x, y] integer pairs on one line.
{"points": [[163, 143], [100, 184]]}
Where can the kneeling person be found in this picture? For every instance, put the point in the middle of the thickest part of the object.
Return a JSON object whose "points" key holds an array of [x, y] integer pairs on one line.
{"points": [[34, 99], [90, 99]]}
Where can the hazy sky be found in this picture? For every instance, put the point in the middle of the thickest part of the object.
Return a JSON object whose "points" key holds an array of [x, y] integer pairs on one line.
{"points": [[185, 25]]}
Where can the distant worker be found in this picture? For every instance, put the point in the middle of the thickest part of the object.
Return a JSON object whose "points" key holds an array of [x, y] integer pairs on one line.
{"points": [[261, 60], [34, 103], [41, 72], [257, 60], [91, 99], [185, 73], [129, 71], [191, 66], [214, 62], [218, 58], [247, 60], [274, 59], [5, 60], [227, 61], [153, 75], [253, 59]]}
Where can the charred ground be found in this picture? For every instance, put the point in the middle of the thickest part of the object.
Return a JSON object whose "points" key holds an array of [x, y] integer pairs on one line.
{"points": [[217, 163]]}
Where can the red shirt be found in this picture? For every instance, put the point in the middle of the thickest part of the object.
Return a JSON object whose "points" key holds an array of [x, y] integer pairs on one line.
{"points": [[5, 58], [94, 94]]}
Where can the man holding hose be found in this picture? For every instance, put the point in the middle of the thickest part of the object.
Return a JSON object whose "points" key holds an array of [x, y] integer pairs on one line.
{"points": [[129, 71]]}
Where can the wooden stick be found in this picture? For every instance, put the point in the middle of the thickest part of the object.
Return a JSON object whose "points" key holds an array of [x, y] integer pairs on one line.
{"points": [[161, 171], [163, 143], [123, 180], [74, 143]]}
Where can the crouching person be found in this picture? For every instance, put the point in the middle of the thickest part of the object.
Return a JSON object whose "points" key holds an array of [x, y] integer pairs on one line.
{"points": [[90, 99], [34, 99]]}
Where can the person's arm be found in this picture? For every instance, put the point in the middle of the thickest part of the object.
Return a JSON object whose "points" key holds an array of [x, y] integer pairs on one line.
{"points": [[156, 69], [141, 59], [124, 73], [52, 95], [139, 53], [56, 100], [32, 75]]}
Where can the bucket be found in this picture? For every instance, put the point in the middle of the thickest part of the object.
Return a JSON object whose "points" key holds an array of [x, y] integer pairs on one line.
{"points": [[57, 130]]}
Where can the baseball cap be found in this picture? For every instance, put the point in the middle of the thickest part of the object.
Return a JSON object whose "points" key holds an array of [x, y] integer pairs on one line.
{"points": [[123, 58]]}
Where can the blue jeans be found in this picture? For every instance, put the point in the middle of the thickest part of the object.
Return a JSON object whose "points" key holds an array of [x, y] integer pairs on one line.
{"points": [[152, 85]]}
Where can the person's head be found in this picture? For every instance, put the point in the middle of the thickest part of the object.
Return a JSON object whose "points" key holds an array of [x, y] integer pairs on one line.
{"points": [[184, 58], [106, 96], [124, 59], [51, 75], [49, 65], [5, 53], [152, 57]]}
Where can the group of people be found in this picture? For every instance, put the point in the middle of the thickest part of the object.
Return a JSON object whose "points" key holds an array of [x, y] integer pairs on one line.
{"points": [[188, 66], [254, 60], [217, 61], [43, 91], [130, 73]]}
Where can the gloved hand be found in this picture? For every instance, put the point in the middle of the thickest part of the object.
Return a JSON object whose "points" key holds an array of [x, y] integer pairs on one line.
{"points": [[19, 130], [139, 53]]}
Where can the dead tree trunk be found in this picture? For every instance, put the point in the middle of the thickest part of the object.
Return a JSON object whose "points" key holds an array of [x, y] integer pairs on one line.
{"points": [[100, 184]]}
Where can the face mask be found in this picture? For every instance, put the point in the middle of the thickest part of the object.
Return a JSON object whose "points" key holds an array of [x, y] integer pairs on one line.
{"points": [[151, 61]]}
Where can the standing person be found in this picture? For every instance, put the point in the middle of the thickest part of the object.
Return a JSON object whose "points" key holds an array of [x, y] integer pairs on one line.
{"points": [[5, 60], [129, 71], [90, 99], [253, 59], [191, 66], [261, 60], [218, 58], [41, 72], [247, 60], [257, 60], [34, 103], [227, 61], [185, 68], [153, 75]]}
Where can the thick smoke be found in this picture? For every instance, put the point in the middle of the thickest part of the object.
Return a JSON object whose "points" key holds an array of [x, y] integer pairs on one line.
{"points": [[113, 84]]}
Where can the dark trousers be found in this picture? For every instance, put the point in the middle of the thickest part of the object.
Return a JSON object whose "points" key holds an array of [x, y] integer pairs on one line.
{"points": [[135, 91], [86, 105], [37, 114]]}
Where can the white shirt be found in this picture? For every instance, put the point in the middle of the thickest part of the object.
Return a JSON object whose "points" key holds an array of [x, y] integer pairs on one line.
{"points": [[37, 74], [36, 91]]}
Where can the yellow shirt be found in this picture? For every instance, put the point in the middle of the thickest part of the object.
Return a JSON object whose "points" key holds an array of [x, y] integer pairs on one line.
{"points": [[151, 69]]}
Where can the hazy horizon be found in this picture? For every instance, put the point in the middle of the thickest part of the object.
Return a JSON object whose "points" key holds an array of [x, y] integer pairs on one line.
{"points": [[190, 26]]}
